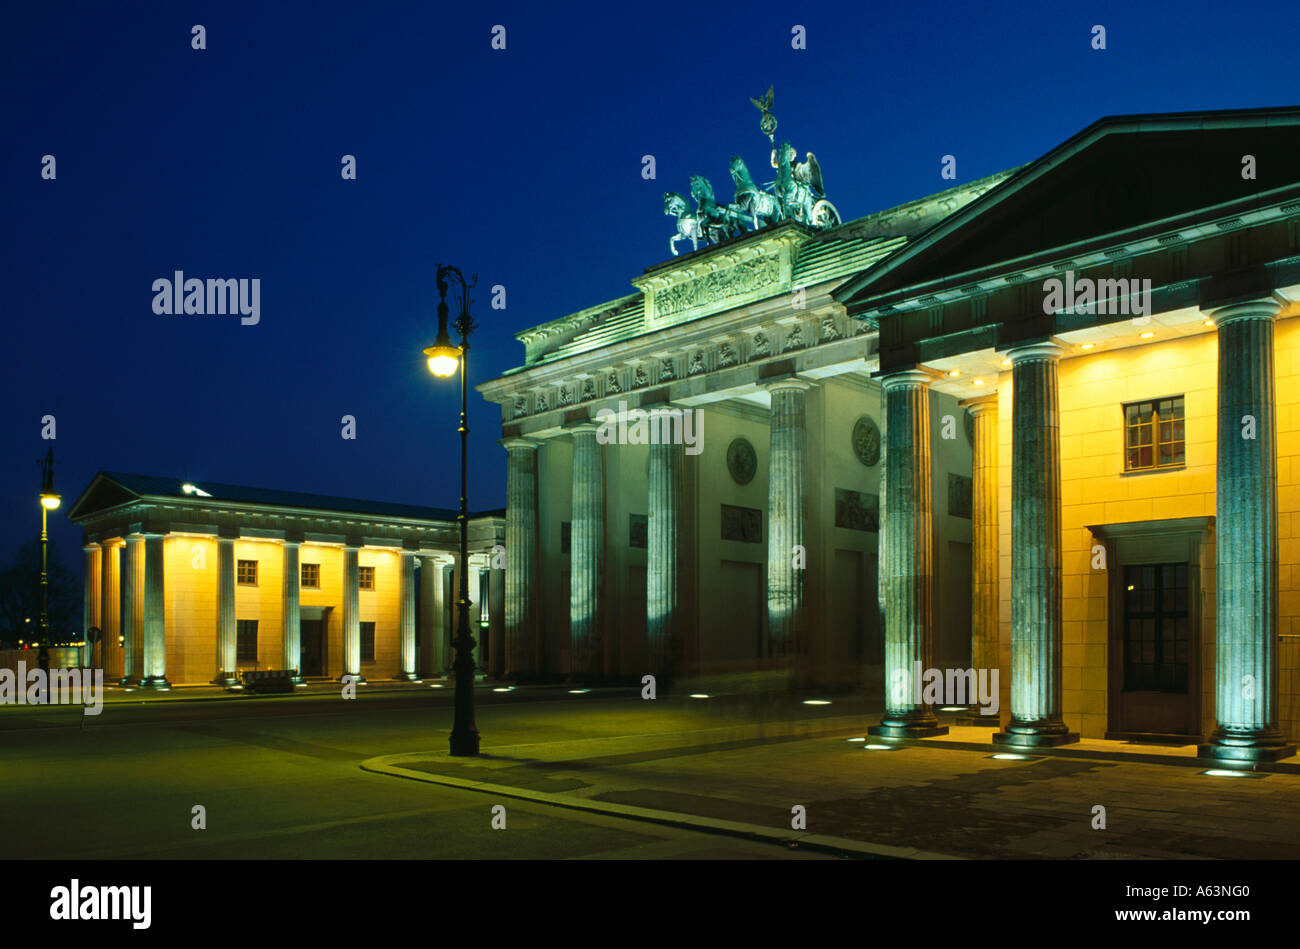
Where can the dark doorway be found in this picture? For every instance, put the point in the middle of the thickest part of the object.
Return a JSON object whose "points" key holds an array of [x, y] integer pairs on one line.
{"points": [[313, 647], [1156, 644]]}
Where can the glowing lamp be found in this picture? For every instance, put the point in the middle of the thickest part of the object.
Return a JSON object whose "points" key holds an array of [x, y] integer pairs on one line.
{"points": [[444, 360], [50, 502]]}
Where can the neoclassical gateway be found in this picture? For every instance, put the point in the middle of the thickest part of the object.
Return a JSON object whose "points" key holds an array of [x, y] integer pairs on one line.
{"points": [[1065, 396], [194, 583]]}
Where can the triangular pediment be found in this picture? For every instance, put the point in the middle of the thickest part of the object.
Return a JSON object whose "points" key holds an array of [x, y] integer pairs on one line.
{"points": [[1116, 175], [103, 494]]}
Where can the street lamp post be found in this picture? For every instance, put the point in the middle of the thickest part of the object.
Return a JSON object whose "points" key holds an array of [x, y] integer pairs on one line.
{"points": [[444, 359], [49, 502]]}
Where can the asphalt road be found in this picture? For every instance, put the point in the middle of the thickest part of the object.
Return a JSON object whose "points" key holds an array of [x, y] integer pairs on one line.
{"points": [[279, 778]]}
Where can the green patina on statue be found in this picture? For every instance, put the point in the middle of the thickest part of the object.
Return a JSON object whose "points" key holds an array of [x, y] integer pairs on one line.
{"points": [[797, 194]]}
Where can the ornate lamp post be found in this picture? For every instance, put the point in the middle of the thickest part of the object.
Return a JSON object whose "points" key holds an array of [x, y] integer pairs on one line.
{"points": [[49, 502], [444, 359]]}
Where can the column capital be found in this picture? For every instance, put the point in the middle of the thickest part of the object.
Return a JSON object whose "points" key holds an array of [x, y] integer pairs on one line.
{"points": [[296, 538], [981, 404], [785, 382], [1264, 308], [90, 547], [519, 441], [907, 377], [1047, 350], [590, 426]]}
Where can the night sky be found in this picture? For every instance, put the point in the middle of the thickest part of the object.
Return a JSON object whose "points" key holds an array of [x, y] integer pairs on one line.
{"points": [[522, 165]]}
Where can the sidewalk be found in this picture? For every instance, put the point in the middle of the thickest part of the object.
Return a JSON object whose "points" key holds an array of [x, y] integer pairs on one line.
{"points": [[926, 799]]}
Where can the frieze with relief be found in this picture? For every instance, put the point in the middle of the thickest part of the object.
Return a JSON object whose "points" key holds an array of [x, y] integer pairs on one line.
{"points": [[718, 286]]}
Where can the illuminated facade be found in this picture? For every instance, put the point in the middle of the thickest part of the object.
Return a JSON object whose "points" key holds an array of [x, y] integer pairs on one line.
{"points": [[1114, 533], [194, 583]]}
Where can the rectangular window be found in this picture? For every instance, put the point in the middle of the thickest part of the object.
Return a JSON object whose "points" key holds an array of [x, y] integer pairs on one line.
{"points": [[311, 575], [247, 571], [1153, 435], [367, 642], [366, 578], [1156, 634], [246, 640]]}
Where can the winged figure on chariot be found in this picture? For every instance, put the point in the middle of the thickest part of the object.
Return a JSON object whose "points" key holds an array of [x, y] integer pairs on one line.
{"points": [[796, 194]]}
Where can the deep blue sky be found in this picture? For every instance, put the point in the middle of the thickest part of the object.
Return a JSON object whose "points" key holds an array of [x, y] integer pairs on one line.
{"points": [[522, 165]]}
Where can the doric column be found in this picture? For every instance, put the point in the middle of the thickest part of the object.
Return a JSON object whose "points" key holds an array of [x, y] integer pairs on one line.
{"points": [[430, 629], [155, 634], [407, 626], [521, 619], [1246, 538], [131, 619], [352, 611], [786, 512], [587, 545], [110, 610], [476, 592], [226, 628], [984, 650], [663, 555], [292, 606], [907, 566], [497, 616], [93, 603], [1035, 550]]}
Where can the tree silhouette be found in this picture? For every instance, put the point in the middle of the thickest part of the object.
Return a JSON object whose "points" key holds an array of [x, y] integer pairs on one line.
{"points": [[20, 596]]}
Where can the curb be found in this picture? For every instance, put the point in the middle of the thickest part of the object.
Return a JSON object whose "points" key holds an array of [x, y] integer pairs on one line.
{"points": [[821, 843]]}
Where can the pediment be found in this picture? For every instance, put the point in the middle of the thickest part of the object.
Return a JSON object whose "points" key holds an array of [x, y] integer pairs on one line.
{"points": [[103, 494], [1115, 175]]}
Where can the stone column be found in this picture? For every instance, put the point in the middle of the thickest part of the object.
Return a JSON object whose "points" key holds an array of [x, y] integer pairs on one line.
{"points": [[110, 612], [521, 612], [1247, 539], [226, 629], [155, 633], [292, 606], [1035, 551], [497, 616], [92, 604], [586, 592], [906, 563], [352, 611], [984, 652], [663, 557], [787, 509], [430, 626], [407, 627], [131, 618], [475, 578]]}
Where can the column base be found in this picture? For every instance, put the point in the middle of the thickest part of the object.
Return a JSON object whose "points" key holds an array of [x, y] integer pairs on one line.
{"points": [[128, 681], [227, 680], [1036, 735], [155, 682], [406, 677], [915, 725], [357, 678], [1245, 746]]}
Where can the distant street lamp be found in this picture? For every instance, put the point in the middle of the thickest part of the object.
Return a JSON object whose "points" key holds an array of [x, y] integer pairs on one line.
{"points": [[444, 358], [49, 502]]}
